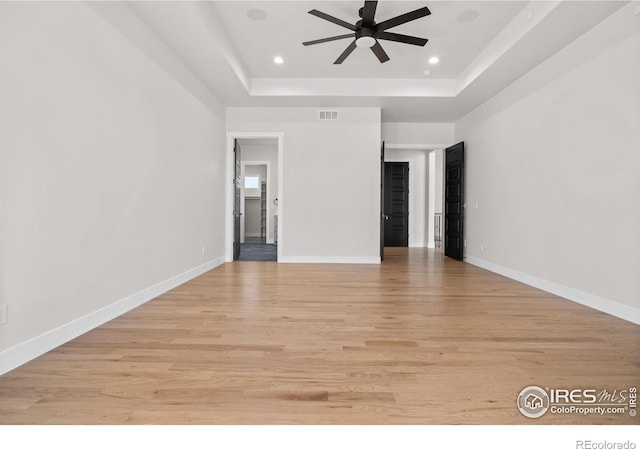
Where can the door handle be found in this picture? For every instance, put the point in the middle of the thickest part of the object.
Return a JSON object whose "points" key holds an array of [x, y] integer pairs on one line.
{"points": [[386, 217]]}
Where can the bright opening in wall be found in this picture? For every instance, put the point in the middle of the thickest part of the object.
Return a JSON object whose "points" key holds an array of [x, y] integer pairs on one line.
{"points": [[251, 182]]}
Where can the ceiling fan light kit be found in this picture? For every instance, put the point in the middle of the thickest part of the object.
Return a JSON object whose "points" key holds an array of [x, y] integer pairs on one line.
{"points": [[367, 33], [365, 42]]}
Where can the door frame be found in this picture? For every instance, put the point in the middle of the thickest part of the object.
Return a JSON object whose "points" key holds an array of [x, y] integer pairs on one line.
{"points": [[231, 137], [430, 219]]}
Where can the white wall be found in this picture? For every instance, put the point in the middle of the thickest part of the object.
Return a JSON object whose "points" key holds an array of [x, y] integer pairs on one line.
{"points": [[112, 175], [554, 168], [268, 152], [433, 135], [252, 217], [330, 206], [418, 193]]}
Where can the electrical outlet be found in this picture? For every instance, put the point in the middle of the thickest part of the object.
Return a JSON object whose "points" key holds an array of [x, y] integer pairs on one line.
{"points": [[203, 251], [481, 247], [465, 243], [3, 313]]}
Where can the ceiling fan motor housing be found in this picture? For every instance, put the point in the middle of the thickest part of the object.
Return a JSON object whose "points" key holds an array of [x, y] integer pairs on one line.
{"points": [[362, 31]]}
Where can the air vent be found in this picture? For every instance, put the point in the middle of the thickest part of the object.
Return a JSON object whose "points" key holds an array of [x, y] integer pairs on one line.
{"points": [[328, 115]]}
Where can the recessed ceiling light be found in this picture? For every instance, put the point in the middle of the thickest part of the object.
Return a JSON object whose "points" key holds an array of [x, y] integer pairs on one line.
{"points": [[468, 15], [257, 15], [434, 60], [278, 60]]}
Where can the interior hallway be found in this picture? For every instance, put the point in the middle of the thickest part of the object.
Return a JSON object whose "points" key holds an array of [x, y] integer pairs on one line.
{"points": [[255, 249], [419, 339]]}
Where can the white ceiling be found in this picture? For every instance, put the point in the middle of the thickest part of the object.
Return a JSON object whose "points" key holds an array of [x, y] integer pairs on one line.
{"points": [[232, 54], [288, 24]]}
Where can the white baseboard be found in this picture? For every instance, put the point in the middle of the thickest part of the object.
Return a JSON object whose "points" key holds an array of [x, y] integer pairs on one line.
{"points": [[314, 259], [252, 234], [22, 353], [616, 309]]}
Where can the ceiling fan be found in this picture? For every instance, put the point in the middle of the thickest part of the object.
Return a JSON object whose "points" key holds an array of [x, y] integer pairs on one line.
{"points": [[367, 32]]}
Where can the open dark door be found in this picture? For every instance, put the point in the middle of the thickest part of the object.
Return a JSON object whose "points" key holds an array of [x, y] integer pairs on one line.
{"points": [[382, 215], [396, 203], [237, 188], [454, 201]]}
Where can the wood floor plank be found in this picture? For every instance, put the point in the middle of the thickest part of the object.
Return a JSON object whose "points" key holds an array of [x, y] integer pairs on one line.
{"points": [[420, 339]]}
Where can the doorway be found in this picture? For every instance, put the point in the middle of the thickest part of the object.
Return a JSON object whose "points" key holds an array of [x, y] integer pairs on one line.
{"points": [[257, 242], [424, 191], [254, 203]]}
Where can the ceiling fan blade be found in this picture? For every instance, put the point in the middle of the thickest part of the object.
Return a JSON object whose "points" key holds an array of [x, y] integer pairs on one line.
{"points": [[379, 52], [385, 35], [329, 39], [368, 13], [404, 18], [346, 53], [342, 23]]}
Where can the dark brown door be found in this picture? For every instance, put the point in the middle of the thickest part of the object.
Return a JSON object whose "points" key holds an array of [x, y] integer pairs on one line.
{"points": [[454, 201], [237, 183], [396, 203], [382, 215]]}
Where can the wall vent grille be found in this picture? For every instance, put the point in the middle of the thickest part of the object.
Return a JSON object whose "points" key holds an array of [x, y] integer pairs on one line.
{"points": [[327, 115]]}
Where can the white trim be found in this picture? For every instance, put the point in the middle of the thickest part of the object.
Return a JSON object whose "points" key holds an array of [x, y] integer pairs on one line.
{"points": [[416, 146], [431, 199], [24, 352], [231, 136], [420, 245], [353, 87], [616, 309], [329, 259]]}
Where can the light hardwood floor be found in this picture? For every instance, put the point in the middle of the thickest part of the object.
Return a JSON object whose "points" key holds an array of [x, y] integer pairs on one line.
{"points": [[420, 339]]}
